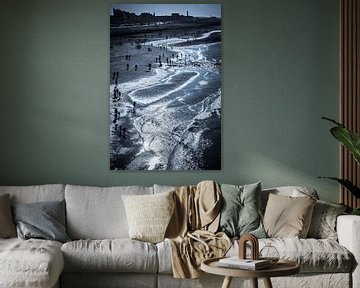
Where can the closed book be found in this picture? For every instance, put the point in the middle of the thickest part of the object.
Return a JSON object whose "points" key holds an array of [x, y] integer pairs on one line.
{"points": [[236, 262]]}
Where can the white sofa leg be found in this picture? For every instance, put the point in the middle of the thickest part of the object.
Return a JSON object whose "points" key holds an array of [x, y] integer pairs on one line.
{"points": [[348, 229]]}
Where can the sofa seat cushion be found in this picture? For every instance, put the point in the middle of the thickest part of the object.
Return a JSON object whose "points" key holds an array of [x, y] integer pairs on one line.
{"points": [[30, 263], [115, 255], [313, 255]]}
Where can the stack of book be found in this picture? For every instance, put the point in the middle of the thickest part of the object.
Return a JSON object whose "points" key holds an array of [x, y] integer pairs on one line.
{"points": [[248, 264]]}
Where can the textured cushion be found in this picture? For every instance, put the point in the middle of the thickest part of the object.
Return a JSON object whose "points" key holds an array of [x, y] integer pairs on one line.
{"points": [[98, 213], [7, 226], [287, 216], [323, 222], [240, 210], [44, 220], [32, 263], [149, 215], [117, 255]]}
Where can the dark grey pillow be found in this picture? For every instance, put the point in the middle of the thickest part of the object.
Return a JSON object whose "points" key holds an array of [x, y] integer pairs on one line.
{"points": [[240, 213], [44, 220]]}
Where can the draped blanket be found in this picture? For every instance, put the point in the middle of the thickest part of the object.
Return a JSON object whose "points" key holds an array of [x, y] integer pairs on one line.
{"points": [[191, 232]]}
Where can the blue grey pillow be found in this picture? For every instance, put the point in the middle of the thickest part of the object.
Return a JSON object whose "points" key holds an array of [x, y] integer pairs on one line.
{"points": [[240, 213], [44, 220]]}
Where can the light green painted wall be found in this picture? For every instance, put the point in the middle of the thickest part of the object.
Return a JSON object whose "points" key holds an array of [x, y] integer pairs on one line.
{"points": [[280, 75]]}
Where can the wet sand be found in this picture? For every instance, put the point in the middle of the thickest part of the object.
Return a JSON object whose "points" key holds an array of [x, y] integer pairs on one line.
{"points": [[167, 115]]}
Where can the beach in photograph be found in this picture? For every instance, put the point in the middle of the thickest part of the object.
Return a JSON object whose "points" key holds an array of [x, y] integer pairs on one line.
{"points": [[165, 94]]}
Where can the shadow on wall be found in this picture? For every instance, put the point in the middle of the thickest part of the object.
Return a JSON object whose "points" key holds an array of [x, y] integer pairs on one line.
{"points": [[274, 173]]}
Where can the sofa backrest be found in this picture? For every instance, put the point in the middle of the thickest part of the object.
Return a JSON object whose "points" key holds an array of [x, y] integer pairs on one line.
{"points": [[36, 193], [162, 188], [98, 212]]}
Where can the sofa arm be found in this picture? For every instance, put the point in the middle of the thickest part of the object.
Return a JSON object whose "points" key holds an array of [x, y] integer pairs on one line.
{"points": [[348, 230]]}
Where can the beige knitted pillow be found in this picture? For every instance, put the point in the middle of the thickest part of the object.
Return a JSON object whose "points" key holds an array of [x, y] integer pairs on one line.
{"points": [[149, 215], [288, 217]]}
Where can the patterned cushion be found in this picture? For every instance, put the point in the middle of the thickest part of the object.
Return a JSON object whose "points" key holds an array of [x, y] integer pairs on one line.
{"points": [[323, 223]]}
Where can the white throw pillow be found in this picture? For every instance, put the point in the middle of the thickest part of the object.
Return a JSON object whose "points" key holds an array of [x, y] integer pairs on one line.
{"points": [[149, 215]]}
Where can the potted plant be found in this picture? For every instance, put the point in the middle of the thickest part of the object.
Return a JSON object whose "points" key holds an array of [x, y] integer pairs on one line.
{"points": [[351, 141]]}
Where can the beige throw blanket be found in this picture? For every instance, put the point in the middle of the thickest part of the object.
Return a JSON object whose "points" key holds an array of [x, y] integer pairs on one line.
{"points": [[191, 231]]}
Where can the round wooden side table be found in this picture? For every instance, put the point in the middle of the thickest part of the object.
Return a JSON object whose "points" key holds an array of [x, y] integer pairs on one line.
{"points": [[281, 268]]}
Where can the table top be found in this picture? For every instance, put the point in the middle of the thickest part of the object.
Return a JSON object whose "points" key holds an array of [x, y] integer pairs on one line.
{"points": [[281, 268]]}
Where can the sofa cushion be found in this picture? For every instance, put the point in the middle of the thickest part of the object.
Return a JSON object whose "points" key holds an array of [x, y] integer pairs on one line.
{"points": [[287, 216], [43, 220], [149, 215], [36, 193], [323, 222], [7, 226], [240, 210], [116, 255], [313, 255], [98, 213], [30, 263], [164, 257]]}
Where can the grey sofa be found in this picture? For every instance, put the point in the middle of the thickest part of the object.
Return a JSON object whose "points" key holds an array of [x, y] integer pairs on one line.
{"points": [[101, 254]]}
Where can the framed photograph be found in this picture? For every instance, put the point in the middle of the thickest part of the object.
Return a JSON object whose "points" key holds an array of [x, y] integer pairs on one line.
{"points": [[165, 87]]}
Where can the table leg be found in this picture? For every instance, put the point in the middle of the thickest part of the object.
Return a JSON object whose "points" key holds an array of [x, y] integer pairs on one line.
{"points": [[227, 282], [267, 283], [254, 282]]}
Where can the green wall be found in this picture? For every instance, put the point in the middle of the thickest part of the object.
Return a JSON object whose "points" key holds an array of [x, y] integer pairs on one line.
{"points": [[280, 75]]}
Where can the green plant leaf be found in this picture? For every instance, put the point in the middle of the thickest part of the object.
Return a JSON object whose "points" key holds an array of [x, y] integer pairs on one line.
{"points": [[333, 121], [348, 138], [355, 211], [347, 184]]}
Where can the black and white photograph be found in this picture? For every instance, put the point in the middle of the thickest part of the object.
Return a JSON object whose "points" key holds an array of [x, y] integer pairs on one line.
{"points": [[165, 87]]}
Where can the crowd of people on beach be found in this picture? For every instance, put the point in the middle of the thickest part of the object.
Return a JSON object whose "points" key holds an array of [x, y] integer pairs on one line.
{"points": [[137, 58], [167, 56]]}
